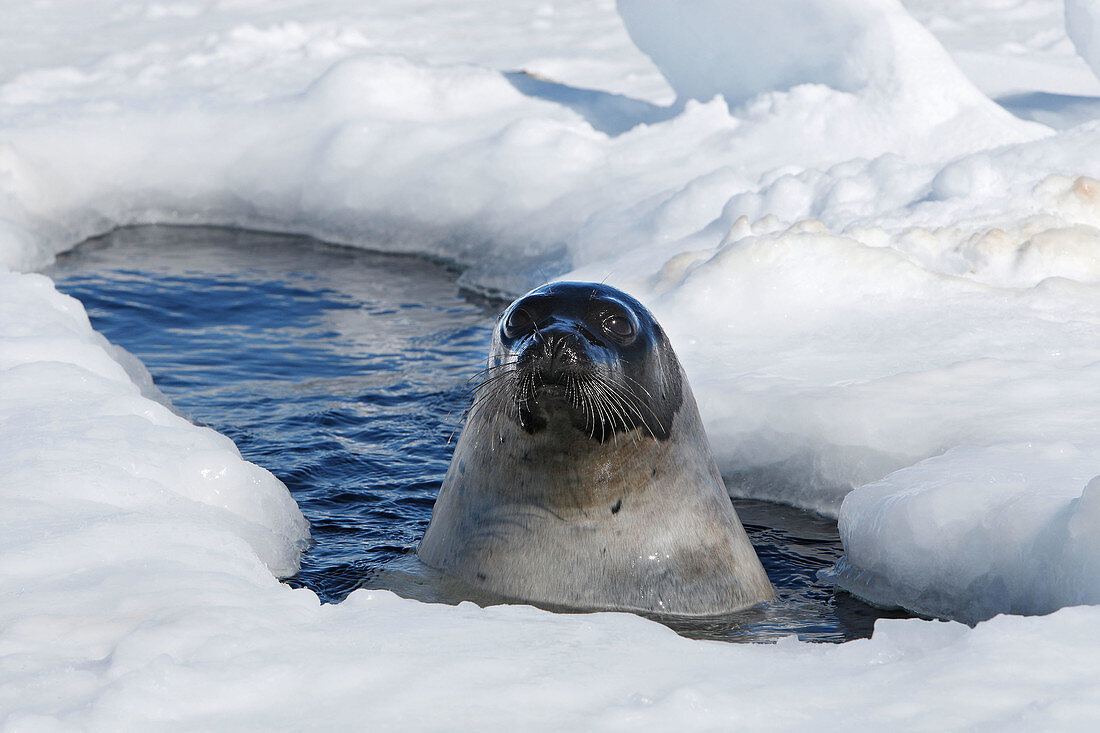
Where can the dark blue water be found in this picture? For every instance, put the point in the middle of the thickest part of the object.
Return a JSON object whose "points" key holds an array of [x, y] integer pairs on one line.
{"points": [[343, 372]]}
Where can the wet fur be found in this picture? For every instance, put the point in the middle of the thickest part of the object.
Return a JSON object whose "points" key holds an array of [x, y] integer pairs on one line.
{"points": [[594, 486]]}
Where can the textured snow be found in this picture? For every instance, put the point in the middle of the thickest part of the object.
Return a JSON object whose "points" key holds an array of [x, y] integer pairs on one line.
{"points": [[1083, 28], [885, 288]]}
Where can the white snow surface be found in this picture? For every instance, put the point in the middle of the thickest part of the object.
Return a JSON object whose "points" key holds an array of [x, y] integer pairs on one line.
{"points": [[885, 288], [1083, 28]]}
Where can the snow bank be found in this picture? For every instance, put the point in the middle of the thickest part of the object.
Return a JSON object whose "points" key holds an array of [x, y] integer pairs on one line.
{"points": [[1083, 28], [741, 49], [884, 289], [137, 558], [105, 467], [979, 531], [449, 160], [843, 356], [866, 62], [378, 149]]}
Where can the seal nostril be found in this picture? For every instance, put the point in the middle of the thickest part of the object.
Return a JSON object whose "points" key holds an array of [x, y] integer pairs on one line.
{"points": [[566, 354], [555, 354], [561, 344]]}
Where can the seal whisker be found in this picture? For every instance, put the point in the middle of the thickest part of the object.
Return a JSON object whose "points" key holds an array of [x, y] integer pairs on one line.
{"points": [[600, 405], [629, 402], [626, 408], [495, 391], [600, 394], [465, 413], [638, 384], [488, 382], [491, 396], [595, 416], [490, 369], [616, 406], [606, 388], [608, 412], [503, 405], [590, 407], [583, 403], [635, 403]]}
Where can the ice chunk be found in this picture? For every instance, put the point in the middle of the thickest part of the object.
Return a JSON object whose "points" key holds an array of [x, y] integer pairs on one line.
{"points": [[78, 434], [742, 48], [977, 532], [1083, 28]]}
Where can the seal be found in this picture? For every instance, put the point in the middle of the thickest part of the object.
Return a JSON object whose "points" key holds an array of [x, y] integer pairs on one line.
{"points": [[583, 478]]}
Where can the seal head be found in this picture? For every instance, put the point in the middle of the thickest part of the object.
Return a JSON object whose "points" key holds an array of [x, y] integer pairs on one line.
{"points": [[591, 353], [583, 478]]}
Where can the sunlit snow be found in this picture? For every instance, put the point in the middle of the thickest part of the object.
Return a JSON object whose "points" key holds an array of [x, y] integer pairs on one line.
{"points": [[871, 228]]}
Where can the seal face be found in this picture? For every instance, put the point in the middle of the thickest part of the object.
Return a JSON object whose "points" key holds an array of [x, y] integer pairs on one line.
{"points": [[591, 352], [583, 478]]}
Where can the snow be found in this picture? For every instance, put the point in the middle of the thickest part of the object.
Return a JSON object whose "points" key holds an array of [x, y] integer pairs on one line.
{"points": [[884, 287], [863, 47], [116, 456], [1083, 28]]}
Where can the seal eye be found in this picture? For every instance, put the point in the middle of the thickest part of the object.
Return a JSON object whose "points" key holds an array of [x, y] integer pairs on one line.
{"points": [[619, 327], [517, 323]]}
